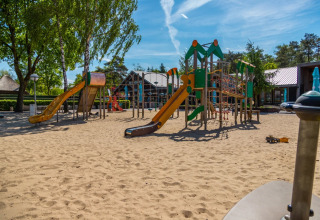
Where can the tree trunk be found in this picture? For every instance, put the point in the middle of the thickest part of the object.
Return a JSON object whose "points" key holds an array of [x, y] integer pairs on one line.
{"points": [[19, 105], [63, 63], [87, 56]]}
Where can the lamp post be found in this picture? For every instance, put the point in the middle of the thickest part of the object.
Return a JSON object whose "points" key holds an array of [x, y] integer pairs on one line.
{"points": [[34, 78]]}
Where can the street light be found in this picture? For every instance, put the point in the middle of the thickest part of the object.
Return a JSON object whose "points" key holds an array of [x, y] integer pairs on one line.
{"points": [[34, 78]]}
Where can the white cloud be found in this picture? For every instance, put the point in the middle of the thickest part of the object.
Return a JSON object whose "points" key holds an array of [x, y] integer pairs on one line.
{"points": [[170, 18], [185, 16]]}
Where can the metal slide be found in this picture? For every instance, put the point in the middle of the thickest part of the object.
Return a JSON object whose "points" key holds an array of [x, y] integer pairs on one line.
{"points": [[55, 104], [164, 114]]}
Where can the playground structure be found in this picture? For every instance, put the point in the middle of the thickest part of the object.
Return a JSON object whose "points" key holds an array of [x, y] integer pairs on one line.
{"points": [[147, 90], [113, 105], [91, 83], [213, 83]]}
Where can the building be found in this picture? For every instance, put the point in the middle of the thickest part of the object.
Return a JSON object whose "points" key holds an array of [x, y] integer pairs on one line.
{"points": [[284, 79], [155, 86], [296, 80], [9, 86], [305, 78]]}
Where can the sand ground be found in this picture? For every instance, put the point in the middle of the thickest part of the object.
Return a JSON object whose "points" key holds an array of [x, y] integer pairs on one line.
{"points": [[88, 170]]}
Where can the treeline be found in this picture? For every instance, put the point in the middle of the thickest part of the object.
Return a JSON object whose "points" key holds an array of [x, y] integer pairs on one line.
{"points": [[51, 37], [285, 55]]}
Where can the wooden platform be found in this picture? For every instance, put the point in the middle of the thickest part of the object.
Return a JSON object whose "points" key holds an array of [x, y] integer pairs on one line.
{"points": [[268, 202]]}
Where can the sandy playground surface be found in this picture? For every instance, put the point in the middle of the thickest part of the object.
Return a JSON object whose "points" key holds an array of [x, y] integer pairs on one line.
{"points": [[88, 170]]}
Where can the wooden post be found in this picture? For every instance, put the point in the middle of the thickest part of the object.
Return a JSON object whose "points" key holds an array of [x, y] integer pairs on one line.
{"points": [[220, 95], [86, 95], [205, 94], [178, 88], [246, 98], [100, 104], [83, 96], [138, 96], [104, 102], [195, 54], [235, 110], [196, 106], [250, 101], [236, 99], [211, 79], [186, 101], [167, 89], [172, 91], [133, 99], [73, 107], [143, 74]]}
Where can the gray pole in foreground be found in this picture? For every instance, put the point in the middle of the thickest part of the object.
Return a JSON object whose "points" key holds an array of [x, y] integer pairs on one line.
{"points": [[34, 78], [307, 108]]}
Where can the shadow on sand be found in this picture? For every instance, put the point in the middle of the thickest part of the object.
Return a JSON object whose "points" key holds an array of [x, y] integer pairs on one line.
{"points": [[17, 124], [199, 134]]}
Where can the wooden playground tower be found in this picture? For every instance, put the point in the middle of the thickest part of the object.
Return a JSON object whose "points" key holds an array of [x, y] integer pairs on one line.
{"points": [[213, 82]]}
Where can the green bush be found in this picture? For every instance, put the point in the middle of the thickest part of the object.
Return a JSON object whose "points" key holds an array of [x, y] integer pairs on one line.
{"points": [[6, 104]]}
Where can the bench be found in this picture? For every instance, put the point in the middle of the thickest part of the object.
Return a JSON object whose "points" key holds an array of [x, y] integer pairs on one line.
{"points": [[257, 112]]}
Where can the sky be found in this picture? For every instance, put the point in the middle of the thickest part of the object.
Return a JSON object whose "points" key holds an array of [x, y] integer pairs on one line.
{"points": [[168, 27]]}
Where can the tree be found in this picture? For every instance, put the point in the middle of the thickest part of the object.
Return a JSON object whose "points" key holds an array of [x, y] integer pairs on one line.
{"points": [[317, 52], [270, 66], [233, 59], [254, 56], [138, 67], [182, 64], [115, 71], [309, 45], [162, 68], [25, 33], [6, 72], [49, 76], [295, 53], [77, 80], [106, 26], [282, 55]]}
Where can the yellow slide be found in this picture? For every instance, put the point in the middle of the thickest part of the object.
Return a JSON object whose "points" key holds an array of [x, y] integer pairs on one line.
{"points": [[174, 102], [166, 111], [55, 104]]}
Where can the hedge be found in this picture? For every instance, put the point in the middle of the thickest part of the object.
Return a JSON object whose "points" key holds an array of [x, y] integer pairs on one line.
{"points": [[6, 104]]}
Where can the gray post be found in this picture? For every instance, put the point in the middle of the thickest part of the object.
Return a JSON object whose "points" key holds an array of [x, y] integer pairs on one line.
{"points": [[35, 97], [304, 169], [307, 108]]}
